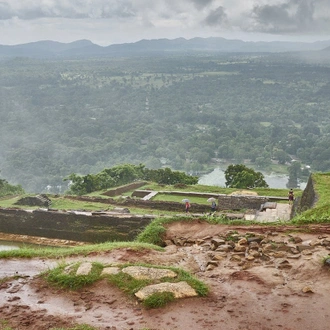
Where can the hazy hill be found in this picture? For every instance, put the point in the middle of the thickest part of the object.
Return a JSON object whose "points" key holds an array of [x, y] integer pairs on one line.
{"points": [[85, 48]]}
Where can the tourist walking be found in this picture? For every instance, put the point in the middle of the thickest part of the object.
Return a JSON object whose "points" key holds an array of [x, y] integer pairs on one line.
{"points": [[291, 196]]}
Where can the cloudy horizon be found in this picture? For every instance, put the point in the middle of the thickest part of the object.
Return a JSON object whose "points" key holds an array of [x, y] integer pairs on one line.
{"points": [[106, 22]]}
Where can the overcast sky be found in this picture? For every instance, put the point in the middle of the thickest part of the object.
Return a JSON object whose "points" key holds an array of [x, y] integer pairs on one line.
{"points": [[108, 22]]}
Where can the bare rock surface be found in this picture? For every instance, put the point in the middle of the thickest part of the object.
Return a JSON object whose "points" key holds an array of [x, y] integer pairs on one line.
{"points": [[179, 290]]}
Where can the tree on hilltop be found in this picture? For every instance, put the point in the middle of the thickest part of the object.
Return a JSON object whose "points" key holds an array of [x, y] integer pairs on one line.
{"points": [[240, 176]]}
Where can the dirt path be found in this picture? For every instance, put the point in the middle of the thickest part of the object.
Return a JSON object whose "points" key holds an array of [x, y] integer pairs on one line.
{"points": [[256, 295]]}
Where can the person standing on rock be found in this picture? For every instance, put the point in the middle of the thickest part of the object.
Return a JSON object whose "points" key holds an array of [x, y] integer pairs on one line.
{"points": [[291, 196], [213, 207]]}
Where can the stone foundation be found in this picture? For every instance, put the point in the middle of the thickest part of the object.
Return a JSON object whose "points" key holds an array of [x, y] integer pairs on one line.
{"points": [[76, 226]]}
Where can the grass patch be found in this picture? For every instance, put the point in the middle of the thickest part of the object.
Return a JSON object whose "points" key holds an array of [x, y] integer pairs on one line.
{"points": [[216, 190], [178, 199], [65, 277], [158, 299], [77, 327], [4, 325], [320, 213], [131, 285], [74, 251], [127, 283]]}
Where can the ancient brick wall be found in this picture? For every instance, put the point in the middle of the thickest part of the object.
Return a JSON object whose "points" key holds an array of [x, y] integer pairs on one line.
{"points": [[72, 226]]}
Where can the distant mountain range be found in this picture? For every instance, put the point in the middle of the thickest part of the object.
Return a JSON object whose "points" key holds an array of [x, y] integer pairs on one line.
{"points": [[85, 48]]}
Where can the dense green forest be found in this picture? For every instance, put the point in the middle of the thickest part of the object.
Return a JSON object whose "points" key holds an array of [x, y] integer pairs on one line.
{"points": [[59, 117], [8, 189]]}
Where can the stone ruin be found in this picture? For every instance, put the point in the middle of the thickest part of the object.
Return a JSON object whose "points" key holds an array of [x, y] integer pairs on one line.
{"points": [[39, 200]]}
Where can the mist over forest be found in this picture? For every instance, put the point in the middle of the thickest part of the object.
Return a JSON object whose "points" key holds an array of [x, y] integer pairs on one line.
{"points": [[189, 111]]}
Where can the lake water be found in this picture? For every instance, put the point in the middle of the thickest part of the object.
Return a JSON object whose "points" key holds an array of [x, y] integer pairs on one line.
{"points": [[217, 178]]}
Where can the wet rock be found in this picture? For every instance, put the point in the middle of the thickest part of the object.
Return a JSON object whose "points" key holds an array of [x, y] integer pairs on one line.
{"points": [[307, 289], [235, 258], [210, 267], [110, 271], [254, 253], [206, 246], [239, 248], [295, 256], [242, 241], [180, 290], [283, 264], [268, 247], [231, 243], [224, 248], [294, 251], [217, 241], [178, 241], [279, 254], [255, 239], [168, 242], [296, 239], [283, 247], [264, 257], [218, 256], [84, 269], [325, 242], [146, 273], [315, 242], [302, 247], [254, 245], [213, 263]]}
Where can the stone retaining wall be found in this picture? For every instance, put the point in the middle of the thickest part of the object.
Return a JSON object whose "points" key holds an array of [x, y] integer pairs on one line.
{"points": [[72, 226], [236, 202], [120, 190]]}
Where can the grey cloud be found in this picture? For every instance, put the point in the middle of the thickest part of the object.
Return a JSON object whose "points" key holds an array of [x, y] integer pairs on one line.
{"points": [[5, 11], [294, 16], [216, 17], [202, 3], [75, 9]]}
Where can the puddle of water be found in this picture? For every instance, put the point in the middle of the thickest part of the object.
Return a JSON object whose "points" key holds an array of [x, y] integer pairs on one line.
{"points": [[5, 245], [13, 245]]}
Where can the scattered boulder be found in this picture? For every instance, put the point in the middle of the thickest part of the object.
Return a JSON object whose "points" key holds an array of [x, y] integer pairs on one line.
{"points": [[110, 271], [146, 273], [84, 269], [180, 290]]}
